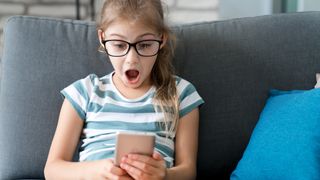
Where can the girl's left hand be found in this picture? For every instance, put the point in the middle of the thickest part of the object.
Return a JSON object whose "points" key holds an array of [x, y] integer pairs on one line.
{"points": [[142, 167]]}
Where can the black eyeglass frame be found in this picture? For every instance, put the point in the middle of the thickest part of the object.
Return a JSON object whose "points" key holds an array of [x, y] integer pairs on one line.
{"points": [[132, 44]]}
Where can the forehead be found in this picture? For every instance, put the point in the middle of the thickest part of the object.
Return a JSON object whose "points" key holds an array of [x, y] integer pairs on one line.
{"points": [[129, 29]]}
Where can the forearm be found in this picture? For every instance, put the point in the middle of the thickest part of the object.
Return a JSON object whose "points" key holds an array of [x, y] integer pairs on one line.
{"points": [[60, 169], [181, 172]]}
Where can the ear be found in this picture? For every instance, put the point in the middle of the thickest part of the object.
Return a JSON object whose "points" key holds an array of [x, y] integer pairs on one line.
{"points": [[164, 40], [101, 36]]}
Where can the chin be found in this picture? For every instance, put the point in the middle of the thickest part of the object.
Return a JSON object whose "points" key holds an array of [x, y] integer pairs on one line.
{"points": [[133, 86]]}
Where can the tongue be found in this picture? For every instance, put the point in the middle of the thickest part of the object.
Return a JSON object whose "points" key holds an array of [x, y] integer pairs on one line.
{"points": [[132, 74]]}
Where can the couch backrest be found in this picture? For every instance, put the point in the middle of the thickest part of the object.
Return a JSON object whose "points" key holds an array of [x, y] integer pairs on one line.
{"points": [[232, 63]]}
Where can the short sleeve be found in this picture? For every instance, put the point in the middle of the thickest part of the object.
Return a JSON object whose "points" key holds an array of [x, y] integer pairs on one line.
{"points": [[78, 94], [189, 98]]}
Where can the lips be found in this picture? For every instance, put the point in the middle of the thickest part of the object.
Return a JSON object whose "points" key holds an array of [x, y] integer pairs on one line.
{"points": [[132, 75]]}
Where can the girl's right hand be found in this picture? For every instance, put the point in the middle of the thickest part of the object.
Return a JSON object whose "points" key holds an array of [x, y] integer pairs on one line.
{"points": [[105, 169]]}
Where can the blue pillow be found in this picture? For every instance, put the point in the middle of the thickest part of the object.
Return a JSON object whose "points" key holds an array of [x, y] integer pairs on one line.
{"points": [[285, 143]]}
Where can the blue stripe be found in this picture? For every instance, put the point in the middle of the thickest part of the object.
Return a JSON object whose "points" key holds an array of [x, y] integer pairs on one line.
{"points": [[105, 79], [178, 79], [148, 127], [168, 163], [168, 152], [94, 107], [101, 155], [82, 90], [186, 92], [110, 93], [189, 108], [113, 95], [93, 78]]}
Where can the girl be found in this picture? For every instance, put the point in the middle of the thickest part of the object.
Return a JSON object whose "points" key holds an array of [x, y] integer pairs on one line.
{"points": [[142, 94]]}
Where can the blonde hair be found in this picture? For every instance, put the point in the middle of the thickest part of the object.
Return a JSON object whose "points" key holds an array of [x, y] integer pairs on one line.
{"points": [[150, 13]]}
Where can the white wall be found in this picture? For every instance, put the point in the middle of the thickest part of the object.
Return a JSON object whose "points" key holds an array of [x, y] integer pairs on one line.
{"points": [[243, 8], [308, 5]]}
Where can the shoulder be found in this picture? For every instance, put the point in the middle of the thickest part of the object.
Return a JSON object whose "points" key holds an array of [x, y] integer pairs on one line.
{"points": [[184, 87], [93, 80], [189, 98], [96, 80], [89, 84], [180, 81]]}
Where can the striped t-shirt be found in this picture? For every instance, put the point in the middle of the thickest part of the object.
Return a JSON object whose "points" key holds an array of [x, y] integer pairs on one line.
{"points": [[106, 111]]}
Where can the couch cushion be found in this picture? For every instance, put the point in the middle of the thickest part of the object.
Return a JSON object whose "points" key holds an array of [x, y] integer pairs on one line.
{"points": [[41, 56], [285, 144]]}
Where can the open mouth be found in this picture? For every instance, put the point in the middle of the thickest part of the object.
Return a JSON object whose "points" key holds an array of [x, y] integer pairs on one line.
{"points": [[132, 75]]}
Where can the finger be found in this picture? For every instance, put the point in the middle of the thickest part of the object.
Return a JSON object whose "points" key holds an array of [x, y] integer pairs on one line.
{"points": [[157, 156], [133, 171], [126, 177], [147, 168], [117, 171], [142, 158]]}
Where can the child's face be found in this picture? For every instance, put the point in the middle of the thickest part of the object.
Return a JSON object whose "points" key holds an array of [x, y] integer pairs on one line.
{"points": [[132, 69]]}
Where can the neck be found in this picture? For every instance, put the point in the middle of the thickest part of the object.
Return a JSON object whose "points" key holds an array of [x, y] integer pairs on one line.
{"points": [[129, 92]]}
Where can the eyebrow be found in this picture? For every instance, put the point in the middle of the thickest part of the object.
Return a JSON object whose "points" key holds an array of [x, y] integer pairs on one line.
{"points": [[140, 36]]}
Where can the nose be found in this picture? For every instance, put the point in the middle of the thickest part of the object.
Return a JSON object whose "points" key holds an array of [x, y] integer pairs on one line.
{"points": [[132, 56]]}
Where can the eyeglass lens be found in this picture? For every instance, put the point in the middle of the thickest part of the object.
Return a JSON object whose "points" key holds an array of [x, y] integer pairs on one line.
{"points": [[121, 48]]}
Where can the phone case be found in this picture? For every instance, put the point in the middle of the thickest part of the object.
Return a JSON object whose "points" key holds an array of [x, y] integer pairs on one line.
{"points": [[133, 142]]}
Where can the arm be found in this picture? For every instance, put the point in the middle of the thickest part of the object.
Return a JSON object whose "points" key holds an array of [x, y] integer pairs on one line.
{"points": [[64, 143], [186, 147]]}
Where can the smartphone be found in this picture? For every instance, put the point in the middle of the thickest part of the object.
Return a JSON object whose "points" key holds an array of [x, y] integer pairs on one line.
{"points": [[133, 142]]}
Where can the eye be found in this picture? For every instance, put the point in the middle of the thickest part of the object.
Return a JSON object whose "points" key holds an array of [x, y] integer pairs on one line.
{"points": [[145, 45], [119, 45]]}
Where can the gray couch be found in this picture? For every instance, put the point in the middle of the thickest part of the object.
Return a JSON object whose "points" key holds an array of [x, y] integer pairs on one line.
{"points": [[232, 63]]}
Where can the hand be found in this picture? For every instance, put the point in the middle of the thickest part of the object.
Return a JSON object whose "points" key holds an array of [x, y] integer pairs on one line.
{"points": [[105, 169], [142, 167]]}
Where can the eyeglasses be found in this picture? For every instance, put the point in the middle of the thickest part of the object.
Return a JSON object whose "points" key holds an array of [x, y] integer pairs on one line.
{"points": [[145, 48]]}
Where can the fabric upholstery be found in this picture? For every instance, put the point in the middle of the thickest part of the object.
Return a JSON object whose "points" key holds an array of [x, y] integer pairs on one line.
{"points": [[232, 63]]}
